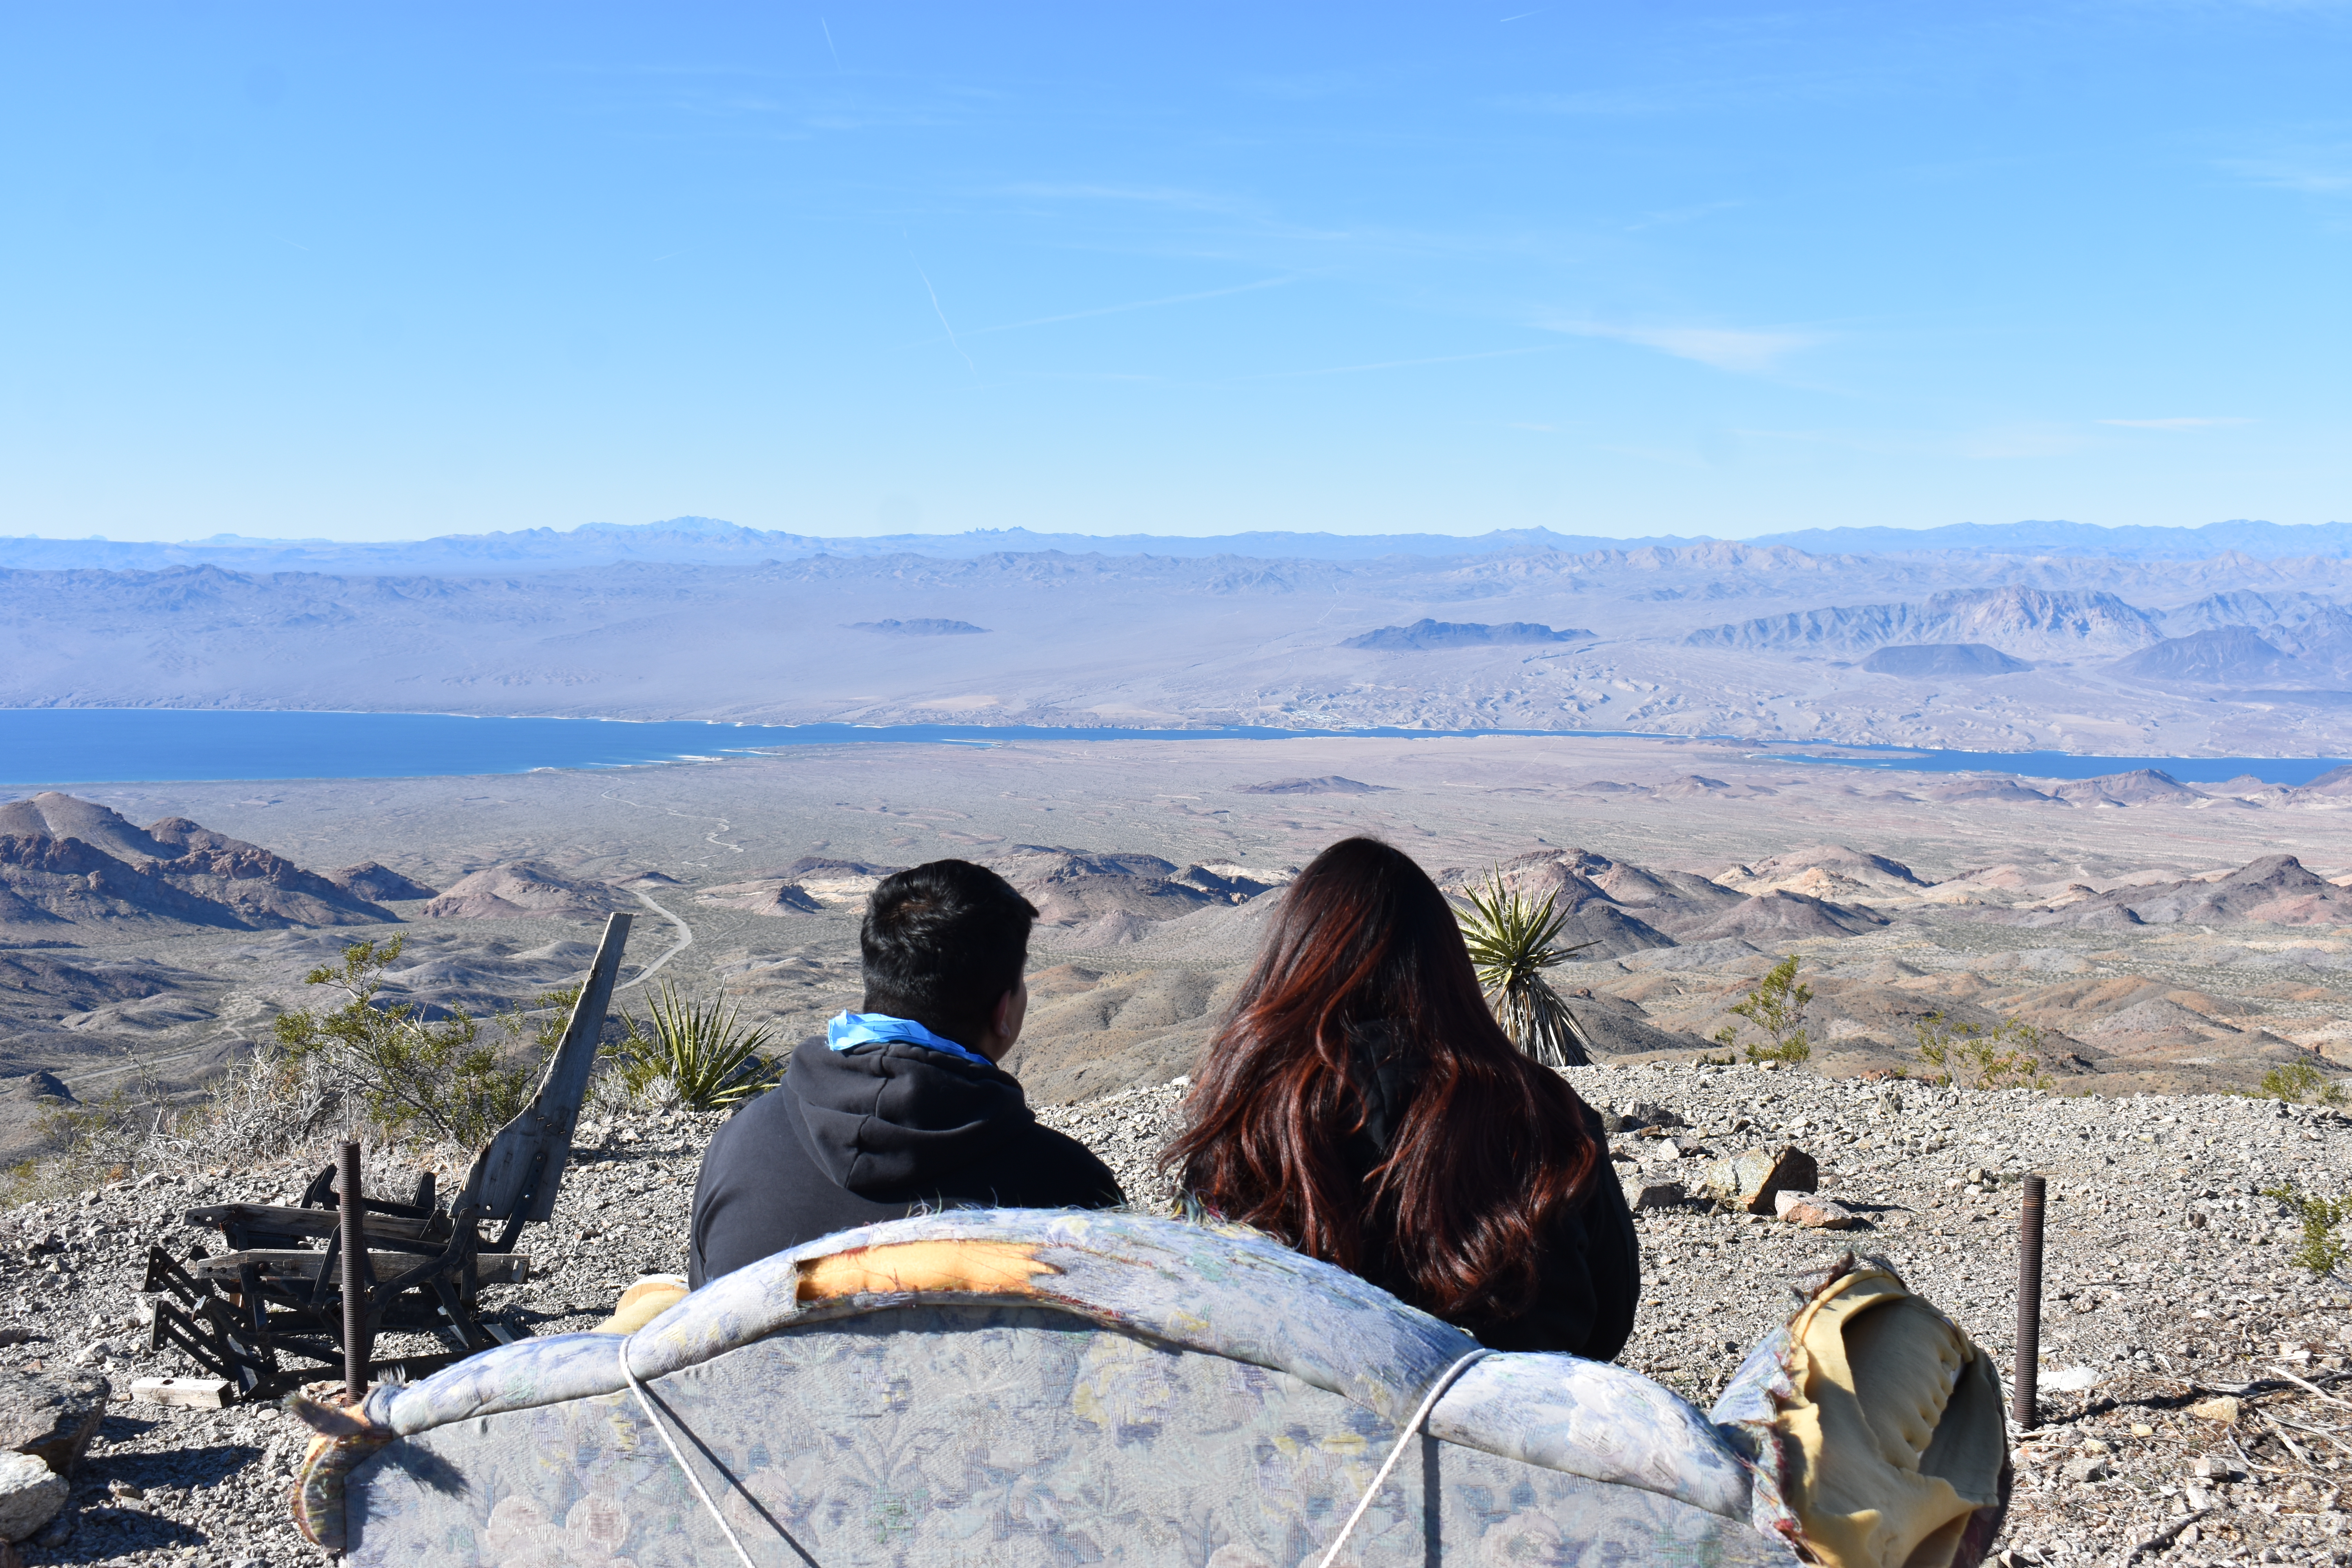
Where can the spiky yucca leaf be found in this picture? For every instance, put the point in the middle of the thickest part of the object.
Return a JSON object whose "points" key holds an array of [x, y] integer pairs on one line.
{"points": [[1512, 942], [697, 1051]]}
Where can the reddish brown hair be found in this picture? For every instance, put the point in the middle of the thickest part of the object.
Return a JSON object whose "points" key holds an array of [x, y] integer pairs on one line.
{"points": [[1487, 1150]]}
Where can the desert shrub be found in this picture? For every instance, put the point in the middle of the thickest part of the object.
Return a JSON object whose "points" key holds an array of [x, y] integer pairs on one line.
{"points": [[271, 1104], [107, 1136], [1512, 942], [2007, 1056], [440, 1079], [699, 1055], [89, 1138], [2320, 1250], [1776, 1009], [2299, 1082]]}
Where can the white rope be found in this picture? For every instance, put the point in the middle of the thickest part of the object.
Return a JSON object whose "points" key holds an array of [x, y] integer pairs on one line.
{"points": [[692, 1479], [1412, 1429]]}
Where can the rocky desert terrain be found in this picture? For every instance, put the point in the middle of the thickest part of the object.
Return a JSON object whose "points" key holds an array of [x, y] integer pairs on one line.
{"points": [[2194, 1384], [2163, 936]]}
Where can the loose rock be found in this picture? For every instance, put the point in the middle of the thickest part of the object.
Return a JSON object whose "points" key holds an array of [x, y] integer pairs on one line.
{"points": [[1753, 1178], [30, 1495], [1816, 1213], [2222, 1410], [1659, 1195], [51, 1415]]}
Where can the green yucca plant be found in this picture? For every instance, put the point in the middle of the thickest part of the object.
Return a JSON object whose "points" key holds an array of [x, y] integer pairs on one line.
{"points": [[1512, 942], [705, 1058]]}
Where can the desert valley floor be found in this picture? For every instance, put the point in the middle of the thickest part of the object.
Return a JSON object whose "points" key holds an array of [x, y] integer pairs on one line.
{"points": [[2166, 936]]}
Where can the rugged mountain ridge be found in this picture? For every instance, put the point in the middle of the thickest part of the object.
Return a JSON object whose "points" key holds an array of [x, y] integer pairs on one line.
{"points": [[64, 860], [2011, 619]]}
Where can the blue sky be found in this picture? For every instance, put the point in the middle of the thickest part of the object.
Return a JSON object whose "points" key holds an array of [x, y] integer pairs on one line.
{"points": [[384, 272]]}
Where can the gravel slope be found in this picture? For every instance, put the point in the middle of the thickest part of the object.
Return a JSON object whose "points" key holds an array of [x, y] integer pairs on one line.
{"points": [[2168, 1281]]}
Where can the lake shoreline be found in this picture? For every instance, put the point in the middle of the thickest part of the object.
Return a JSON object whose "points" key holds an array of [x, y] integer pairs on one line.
{"points": [[57, 747]]}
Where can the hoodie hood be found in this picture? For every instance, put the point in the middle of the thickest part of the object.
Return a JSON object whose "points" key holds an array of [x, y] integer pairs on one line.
{"points": [[888, 1121]]}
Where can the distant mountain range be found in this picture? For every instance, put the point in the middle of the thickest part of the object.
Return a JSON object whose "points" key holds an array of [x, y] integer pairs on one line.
{"points": [[2228, 654], [2244, 639], [2262, 541], [709, 542]]}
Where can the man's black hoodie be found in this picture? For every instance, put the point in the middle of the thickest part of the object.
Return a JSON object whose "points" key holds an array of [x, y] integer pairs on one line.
{"points": [[873, 1133]]}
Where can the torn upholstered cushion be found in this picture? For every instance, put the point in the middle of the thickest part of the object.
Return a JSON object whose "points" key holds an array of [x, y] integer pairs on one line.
{"points": [[642, 1303], [1895, 1438]]}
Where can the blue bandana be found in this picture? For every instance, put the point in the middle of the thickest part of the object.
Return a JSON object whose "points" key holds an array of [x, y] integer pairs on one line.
{"points": [[848, 1030]]}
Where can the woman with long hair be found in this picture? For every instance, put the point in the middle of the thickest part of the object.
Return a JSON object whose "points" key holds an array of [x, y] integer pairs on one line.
{"points": [[1361, 1103]]}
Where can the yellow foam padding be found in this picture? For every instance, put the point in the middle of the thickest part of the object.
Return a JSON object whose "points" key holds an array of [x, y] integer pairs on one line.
{"points": [[1897, 1434], [951, 1268], [642, 1303]]}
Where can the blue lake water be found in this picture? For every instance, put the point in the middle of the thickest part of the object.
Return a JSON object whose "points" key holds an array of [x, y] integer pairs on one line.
{"points": [[57, 746], [2062, 764], [51, 746]]}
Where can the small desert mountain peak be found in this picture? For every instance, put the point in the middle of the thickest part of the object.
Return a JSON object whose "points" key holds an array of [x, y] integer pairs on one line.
{"points": [[523, 889], [2224, 655], [1424, 635], [761, 896], [379, 883], [53, 814], [1852, 866], [36, 1086], [1783, 915], [1329, 784], [918, 628], [1942, 660], [2139, 787], [819, 866]]}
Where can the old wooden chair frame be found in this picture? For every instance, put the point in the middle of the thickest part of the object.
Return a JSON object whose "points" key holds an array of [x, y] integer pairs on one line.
{"points": [[276, 1293]]}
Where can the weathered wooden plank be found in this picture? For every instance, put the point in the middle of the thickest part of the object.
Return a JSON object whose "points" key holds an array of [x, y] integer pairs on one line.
{"points": [[195, 1393], [496, 1268], [299, 1221]]}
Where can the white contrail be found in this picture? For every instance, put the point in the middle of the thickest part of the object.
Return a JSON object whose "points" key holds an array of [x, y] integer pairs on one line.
{"points": [[942, 315], [828, 47]]}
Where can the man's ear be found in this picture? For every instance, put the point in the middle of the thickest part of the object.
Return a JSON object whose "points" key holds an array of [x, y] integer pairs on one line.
{"points": [[1006, 1019]]}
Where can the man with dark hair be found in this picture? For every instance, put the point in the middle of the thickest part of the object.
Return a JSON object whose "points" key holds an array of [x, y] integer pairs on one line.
{"points": [[902, 1105]]}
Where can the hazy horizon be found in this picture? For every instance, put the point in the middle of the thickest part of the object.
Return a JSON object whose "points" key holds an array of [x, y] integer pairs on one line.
{"points": [[232, 537]]}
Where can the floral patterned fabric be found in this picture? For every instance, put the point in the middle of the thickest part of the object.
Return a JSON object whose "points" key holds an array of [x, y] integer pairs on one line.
{"points": [[1166, 1393]]}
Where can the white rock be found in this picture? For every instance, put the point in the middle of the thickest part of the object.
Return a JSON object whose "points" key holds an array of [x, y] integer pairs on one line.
{"points": [[2069, 1380], [30, 1495]]}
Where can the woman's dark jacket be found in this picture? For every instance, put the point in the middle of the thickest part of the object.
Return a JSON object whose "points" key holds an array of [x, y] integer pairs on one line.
{"points": [[1588, 1268]]}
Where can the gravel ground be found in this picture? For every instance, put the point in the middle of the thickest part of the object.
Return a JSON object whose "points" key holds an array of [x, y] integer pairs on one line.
{"points": [[2168, 1281]]}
